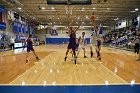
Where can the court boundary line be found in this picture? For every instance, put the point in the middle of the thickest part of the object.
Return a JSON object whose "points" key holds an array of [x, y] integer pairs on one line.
{"points": [[110, 84]]}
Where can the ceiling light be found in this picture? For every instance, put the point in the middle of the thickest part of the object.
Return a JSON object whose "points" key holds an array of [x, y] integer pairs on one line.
{"points": [[43, 8], [19, 8], [105, 26], [83, 8], [52, 7], [94, 8], [97, 17], [108, 8], [132, 11], [116, 18], [136, 9]]}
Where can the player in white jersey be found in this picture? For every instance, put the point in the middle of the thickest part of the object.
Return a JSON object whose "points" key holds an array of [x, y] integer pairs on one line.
{"points": [[82, 44], [92, 41]]}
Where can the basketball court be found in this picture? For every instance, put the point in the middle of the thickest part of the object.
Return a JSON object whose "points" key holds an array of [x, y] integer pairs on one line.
{"points": [[114, 68]]}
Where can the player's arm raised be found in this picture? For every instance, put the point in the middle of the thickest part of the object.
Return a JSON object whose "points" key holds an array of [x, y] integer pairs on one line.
{"points": [[78, 26], [69, 28]]}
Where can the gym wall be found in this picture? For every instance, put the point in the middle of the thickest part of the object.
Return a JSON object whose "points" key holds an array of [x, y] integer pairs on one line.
{"points": [[62, 37]]}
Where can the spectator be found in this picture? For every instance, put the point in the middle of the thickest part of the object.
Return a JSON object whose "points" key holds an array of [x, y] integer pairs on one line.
{"points": [[12, 42]]}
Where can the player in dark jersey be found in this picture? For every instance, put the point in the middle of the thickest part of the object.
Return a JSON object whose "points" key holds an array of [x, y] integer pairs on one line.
{"points": [[98, 47], [30, 43], [72, 41]]}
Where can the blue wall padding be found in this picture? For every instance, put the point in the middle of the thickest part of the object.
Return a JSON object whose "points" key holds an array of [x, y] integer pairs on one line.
{"points": [[60, 40]]}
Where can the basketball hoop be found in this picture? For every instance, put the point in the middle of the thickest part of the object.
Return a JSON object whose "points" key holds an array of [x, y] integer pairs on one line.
{"points": [[69, 10]]}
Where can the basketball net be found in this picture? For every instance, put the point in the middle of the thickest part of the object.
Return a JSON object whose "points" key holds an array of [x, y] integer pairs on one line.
{"points": [[69, 10]]}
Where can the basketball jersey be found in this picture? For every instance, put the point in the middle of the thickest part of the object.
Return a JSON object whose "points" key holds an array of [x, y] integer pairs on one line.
{"points": [[82, 40], [98, 42], [92, 38], [72, 39], [29, 42]]}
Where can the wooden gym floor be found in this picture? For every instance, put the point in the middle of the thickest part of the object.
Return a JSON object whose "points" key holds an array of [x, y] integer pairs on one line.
{"points": [[116, 67]]}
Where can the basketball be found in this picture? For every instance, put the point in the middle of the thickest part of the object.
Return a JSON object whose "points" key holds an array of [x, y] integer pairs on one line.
{"points": [[92, 17]]}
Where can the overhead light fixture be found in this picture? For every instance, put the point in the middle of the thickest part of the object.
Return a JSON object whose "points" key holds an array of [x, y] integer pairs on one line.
{"points": [[94, 8], [132, 11], [83, 8], [105, 26], [136, 9], [43, 8], [116, 19], [19, 8], [97, 17], [108, 8], [53, 8]]}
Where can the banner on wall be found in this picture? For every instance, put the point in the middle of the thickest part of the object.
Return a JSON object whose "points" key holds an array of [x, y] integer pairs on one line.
{"points": [[31, 29], [22, 28], [2, 25], [3, 18], [2, 9], [19, 27], [15, 29], [53, 31], [26, 29]]}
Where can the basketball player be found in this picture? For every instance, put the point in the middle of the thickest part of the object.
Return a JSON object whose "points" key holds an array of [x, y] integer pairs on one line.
{"points": [[98, 47], [72, 40], [93, 37], [137, 45], [30, 43], [82, 43], [138, 58]]}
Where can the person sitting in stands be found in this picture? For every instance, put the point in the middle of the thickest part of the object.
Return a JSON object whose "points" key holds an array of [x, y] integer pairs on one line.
{"points": [[2, 45]]}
